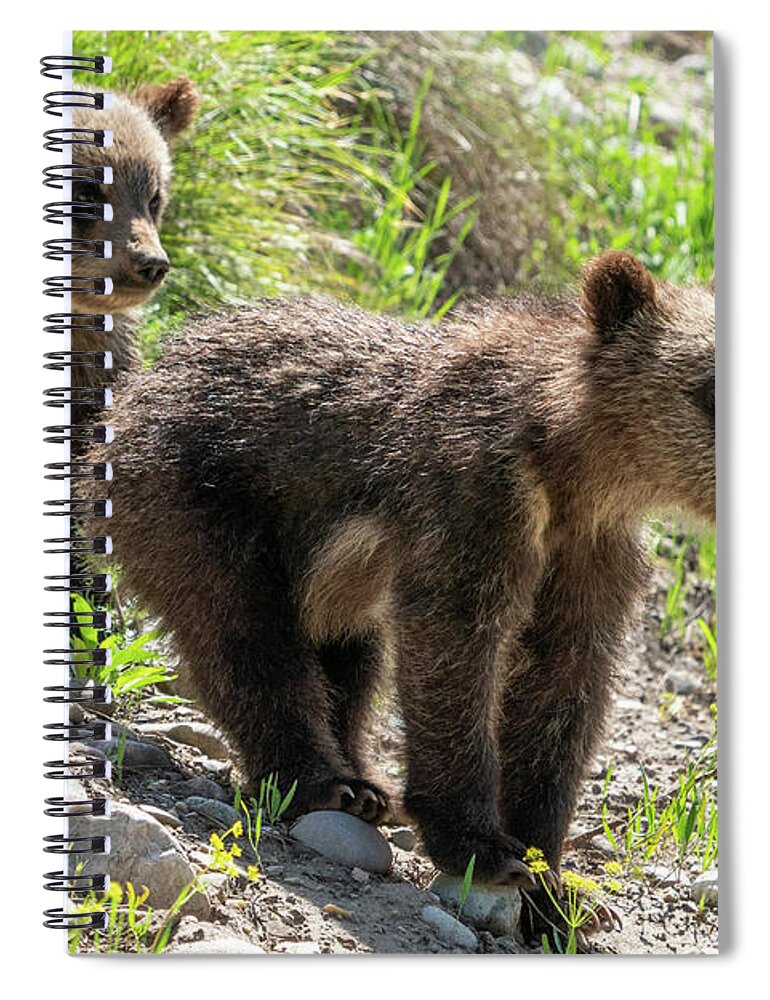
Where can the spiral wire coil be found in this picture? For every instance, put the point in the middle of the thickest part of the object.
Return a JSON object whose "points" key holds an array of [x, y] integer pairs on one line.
{"points": [[73, 885]]}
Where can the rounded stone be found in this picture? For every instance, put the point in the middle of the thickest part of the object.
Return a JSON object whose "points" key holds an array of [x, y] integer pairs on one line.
{"points": [[705, 888], [491, 908], [345, 839], [449, 928]]}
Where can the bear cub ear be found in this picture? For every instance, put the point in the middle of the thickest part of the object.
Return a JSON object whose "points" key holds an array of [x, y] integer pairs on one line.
{"points": [[172, 106], [615, 287]]}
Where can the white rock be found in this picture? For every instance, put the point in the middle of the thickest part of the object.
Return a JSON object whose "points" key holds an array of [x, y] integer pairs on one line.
{"points": [[301, 948], [449, 928], [705, 887], [345, 839], [496, 909]]}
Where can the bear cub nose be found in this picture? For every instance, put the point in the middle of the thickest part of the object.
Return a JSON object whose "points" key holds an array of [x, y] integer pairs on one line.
{"points": [[152, 269]]}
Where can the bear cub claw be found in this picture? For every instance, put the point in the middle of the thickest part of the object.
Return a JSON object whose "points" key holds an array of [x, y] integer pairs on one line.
{"points": [[351, 795]]}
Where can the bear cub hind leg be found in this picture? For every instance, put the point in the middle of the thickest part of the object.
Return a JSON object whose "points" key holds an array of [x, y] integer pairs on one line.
{"points": [[351, 667]]}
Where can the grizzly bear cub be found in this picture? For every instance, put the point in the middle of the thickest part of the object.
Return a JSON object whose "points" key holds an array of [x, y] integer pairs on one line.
{"points": [[143, 124], [300, 485]]}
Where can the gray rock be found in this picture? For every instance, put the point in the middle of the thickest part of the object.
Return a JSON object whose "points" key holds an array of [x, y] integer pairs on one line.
{"points": [[601, 843], [200, 735], [449, 928], [345, 839], [705, 887], [219, 768], [133, 755], [166, 818], [404, 837], [496, 909], [695, 63], [219, 812], [216, 946], [203, 787], [533, 42], [217, 884], [681, 682], [143, 852]]}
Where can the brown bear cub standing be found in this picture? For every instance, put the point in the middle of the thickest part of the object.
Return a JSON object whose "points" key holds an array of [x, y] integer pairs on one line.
{"points": [[143, 124], [301, 484]]}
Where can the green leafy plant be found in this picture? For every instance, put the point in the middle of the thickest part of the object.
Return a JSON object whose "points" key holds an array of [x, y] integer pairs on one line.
{"points": [[673, 620], [270, 803], [709, 654], [131, 666]]}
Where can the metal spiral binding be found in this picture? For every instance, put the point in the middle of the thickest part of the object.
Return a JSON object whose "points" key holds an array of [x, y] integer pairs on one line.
{"points": [[76, 434]]}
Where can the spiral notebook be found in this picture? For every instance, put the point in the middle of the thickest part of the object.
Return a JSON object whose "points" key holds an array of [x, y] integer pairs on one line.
{"points": [[385, 491]]}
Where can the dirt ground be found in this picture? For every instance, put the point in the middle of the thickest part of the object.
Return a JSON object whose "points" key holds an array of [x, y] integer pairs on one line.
{"points": [[304, 903]]}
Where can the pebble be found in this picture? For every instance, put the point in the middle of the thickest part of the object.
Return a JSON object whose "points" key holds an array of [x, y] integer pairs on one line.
{"points": [[200, 735], [143, 852], [300, 948], [166, 818], [345, 839], [628, 704], [705, 887], [204, 787], [213, 809], [449, 928], [601, 844], [359, 875], [497, 909], [404, 837], [220, 768]]}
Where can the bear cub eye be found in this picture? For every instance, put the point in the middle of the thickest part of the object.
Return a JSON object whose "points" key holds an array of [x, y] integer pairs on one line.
{"points": [[154, 205], [705, 398]]}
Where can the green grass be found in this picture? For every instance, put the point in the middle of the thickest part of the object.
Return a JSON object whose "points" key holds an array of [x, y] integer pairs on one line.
{"points": [[623, 184], [280, 187], [673, 826]]}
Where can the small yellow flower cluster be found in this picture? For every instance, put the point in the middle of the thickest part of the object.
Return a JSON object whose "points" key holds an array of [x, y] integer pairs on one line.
{"points": [[536, 861], [222, 857], [579, 883]]}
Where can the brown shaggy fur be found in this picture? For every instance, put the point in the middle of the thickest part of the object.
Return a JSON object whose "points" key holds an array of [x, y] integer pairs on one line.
{"points": [[143, 124], [298, 483]]}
